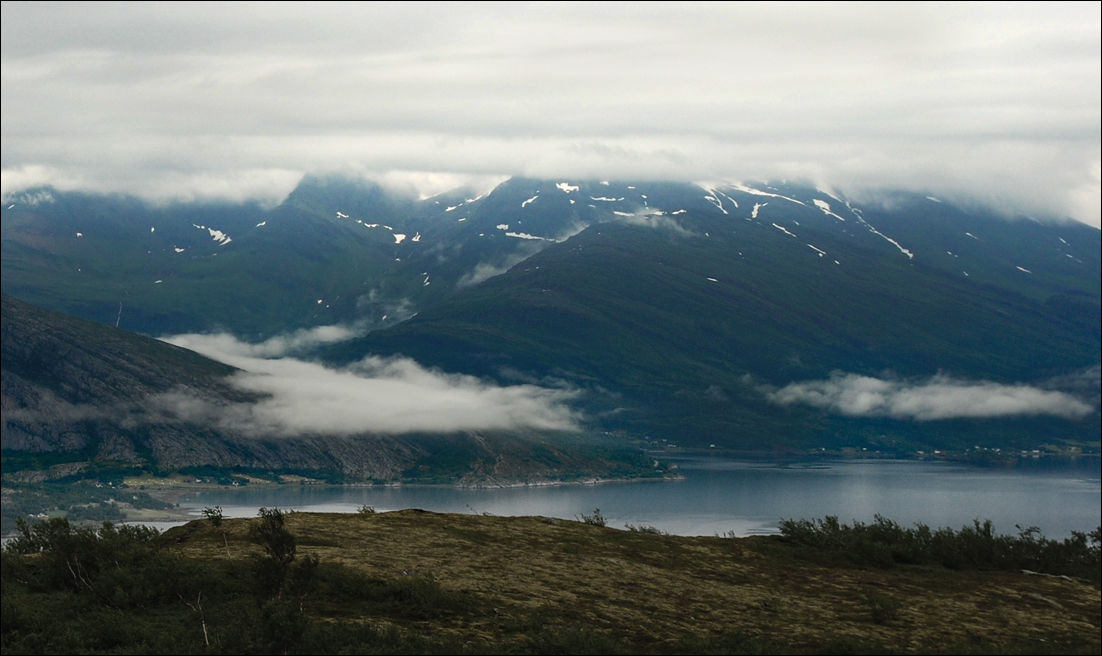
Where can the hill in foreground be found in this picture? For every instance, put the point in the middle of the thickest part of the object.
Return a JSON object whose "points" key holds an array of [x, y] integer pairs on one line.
{"points": [[419, 582]]}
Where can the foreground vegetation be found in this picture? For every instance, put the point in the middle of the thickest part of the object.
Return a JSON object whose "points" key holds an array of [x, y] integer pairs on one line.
{"points": [[419, 582]]}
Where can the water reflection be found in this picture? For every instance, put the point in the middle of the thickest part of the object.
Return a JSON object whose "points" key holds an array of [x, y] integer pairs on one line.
{"points": [[718, 496]]}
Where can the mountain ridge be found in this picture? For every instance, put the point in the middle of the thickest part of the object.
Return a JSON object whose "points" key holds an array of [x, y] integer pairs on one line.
{"points": [[81, 393], [678, 310]]}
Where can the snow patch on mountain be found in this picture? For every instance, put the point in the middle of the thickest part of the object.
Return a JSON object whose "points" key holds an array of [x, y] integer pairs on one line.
{"points": [[712, 198], [891, 241], [217, 235], [755, 192], [525, 235], [825, 207], [783, 229], [733, 201]]}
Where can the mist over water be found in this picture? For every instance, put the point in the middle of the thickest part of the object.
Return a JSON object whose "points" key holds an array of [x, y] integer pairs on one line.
{"points": [[718, 496]]}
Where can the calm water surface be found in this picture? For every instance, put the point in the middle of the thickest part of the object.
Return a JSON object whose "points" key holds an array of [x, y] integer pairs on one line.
{"points": [[717, 496]]}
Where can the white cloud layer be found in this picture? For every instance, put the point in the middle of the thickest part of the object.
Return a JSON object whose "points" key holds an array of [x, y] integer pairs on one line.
{"points": [[375, 395], [223, 345], [940, 397], [178, 101], [652, 218]]}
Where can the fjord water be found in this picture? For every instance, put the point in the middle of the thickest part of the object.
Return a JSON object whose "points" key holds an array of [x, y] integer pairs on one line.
{"points": [[717, 496]]}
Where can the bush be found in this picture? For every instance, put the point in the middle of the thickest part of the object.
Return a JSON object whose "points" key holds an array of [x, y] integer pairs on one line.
{"points": [[596, 519], [885, 544], [882, 608], [279, 547], [213, 515]]}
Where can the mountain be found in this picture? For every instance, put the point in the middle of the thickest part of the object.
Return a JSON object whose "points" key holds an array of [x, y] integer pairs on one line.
{"points": [[686, 310], [333, 251], [748, 316], [79, 395]]}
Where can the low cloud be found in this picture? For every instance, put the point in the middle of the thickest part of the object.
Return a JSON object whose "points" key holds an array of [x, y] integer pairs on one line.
{"points": [[426, 184], [221, 345], [374, 395], [939, 397], [651, 218], [486, 270], [1084, 384]]}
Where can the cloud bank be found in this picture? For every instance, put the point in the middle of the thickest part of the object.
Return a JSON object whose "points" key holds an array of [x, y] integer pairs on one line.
{"points": [[375, 395], [486, 270], [652, 218], [223, 345], [940, 397], [178, 101]]}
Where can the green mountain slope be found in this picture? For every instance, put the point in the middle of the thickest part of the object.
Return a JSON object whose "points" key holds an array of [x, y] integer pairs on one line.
{"points": [[679, 309], [78, 392], [691, 316], [333, 251]]}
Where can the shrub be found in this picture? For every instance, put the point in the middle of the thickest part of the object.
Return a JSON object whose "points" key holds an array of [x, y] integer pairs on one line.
{"points": [[884, 544], [213, 515], [882, 608], [596, 519], [279, 547]]}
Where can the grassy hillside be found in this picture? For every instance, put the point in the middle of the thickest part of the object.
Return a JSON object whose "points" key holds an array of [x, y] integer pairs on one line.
{"points": [[418, 582]]}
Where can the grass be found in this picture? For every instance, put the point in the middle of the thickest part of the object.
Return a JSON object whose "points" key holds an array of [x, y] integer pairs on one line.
{"points": [[534, 584]]}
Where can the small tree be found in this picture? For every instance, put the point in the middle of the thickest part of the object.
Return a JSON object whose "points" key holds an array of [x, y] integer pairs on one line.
{"points": [[596, 519], [279, 548], [214, 516]]}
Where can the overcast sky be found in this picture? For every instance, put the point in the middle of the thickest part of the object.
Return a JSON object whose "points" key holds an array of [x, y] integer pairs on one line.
{"points": [[1000, 102]]}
